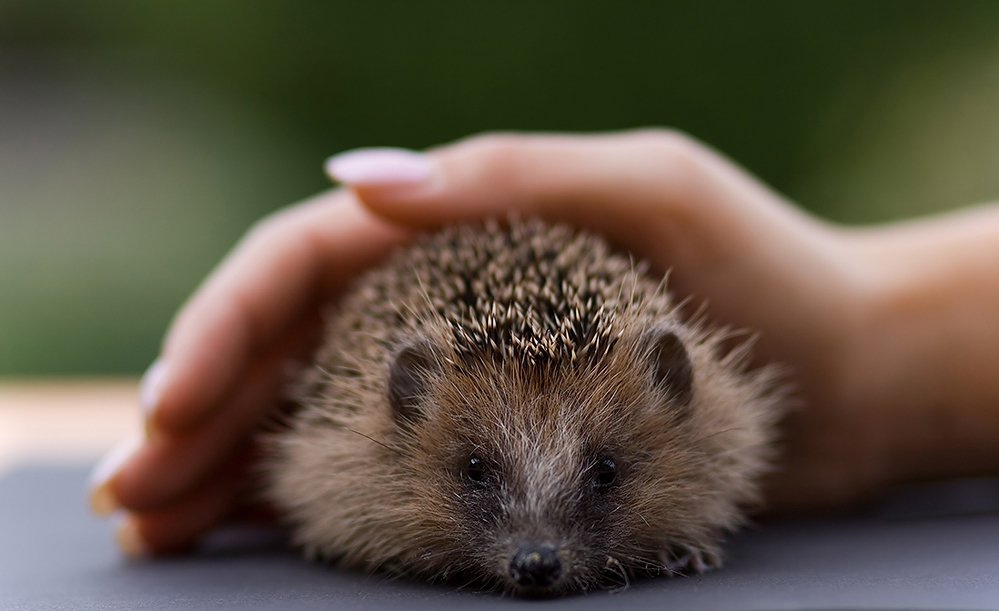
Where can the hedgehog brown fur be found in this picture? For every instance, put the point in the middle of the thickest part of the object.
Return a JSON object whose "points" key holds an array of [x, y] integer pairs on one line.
{"points": [[520, 406]]}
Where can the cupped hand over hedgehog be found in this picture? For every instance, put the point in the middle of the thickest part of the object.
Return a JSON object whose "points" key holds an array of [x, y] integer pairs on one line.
{"points": [[524, 405]]}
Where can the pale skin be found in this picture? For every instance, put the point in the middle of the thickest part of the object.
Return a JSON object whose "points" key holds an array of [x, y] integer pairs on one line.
{"points": [[891, 333]]}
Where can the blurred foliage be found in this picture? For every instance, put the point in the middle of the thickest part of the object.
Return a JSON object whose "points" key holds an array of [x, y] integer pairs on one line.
{"points": [[138, 139]]}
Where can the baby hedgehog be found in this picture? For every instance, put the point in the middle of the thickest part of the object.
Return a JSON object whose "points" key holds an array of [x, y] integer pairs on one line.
{"points": [[520, 407]]}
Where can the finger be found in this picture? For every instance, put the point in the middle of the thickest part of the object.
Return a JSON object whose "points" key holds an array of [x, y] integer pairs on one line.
{"points": [[169, 465], [278, 272], [178, 526], [655, 191]]}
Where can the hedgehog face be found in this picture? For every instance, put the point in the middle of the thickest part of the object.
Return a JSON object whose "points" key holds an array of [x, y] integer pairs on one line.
{"points": [[553, 480]]}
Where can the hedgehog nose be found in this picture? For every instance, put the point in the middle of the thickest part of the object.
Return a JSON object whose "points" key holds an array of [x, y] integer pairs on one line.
{"points": [[535, 565]]}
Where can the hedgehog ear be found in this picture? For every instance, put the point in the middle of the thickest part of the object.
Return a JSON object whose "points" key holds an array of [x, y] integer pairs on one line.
{"points": [[672, 370], [407, 384]]}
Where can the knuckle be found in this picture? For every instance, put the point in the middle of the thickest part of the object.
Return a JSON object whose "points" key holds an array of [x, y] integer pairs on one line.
{"points": [[498, 155], [496, 141], [669, 146], [497, 148]]}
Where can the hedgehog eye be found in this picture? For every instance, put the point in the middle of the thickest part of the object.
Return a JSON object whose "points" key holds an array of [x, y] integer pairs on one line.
{"points": [[605, 474], [475, 470]]}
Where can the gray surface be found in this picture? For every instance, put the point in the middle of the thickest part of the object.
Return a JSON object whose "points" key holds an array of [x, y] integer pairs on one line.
{"points": [[53, 555]]}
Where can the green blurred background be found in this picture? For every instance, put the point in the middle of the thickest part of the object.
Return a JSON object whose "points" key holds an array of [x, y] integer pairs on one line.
{"points": [[139, 139]]}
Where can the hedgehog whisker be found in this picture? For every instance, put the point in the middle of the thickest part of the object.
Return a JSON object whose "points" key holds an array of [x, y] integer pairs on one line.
{"points": [[723, 431], [375, 441]]}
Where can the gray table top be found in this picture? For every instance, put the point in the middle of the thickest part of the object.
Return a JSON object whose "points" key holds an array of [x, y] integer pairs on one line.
{"points": [[53, 555]]}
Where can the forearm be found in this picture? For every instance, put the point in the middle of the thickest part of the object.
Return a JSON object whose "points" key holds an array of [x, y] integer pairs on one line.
{"points": [[927, 364]]}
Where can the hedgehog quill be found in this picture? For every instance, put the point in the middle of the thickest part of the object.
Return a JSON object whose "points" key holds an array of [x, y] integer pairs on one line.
{"points": [[520, 407]]}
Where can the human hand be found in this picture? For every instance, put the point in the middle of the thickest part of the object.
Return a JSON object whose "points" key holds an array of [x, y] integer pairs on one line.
{"points": [[223, 367], [756, 261]]}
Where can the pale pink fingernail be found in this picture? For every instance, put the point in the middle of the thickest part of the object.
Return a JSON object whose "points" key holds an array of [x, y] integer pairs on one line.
{"points": [[130, 540], [380, 167], [152, 386], [102, 499]]}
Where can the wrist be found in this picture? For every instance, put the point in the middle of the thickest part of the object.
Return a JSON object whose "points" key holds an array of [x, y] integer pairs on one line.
{"points": [[924, 360]]}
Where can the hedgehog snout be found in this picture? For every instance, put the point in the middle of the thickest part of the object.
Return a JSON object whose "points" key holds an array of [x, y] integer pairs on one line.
{"points": [[535, 565]]}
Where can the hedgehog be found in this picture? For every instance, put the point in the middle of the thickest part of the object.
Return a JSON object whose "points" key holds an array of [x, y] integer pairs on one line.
{"points": [[518, 406]]}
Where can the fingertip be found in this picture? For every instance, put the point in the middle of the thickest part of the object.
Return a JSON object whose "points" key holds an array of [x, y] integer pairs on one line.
{"points": [[102, 500], [402, 186], [101, 496], [128, 536], [391, 182]]}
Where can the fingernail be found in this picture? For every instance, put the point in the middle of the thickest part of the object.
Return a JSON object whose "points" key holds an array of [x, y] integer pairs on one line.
{"points": [[380, 167], [130, 540], [102, 499], [152, 386]]}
